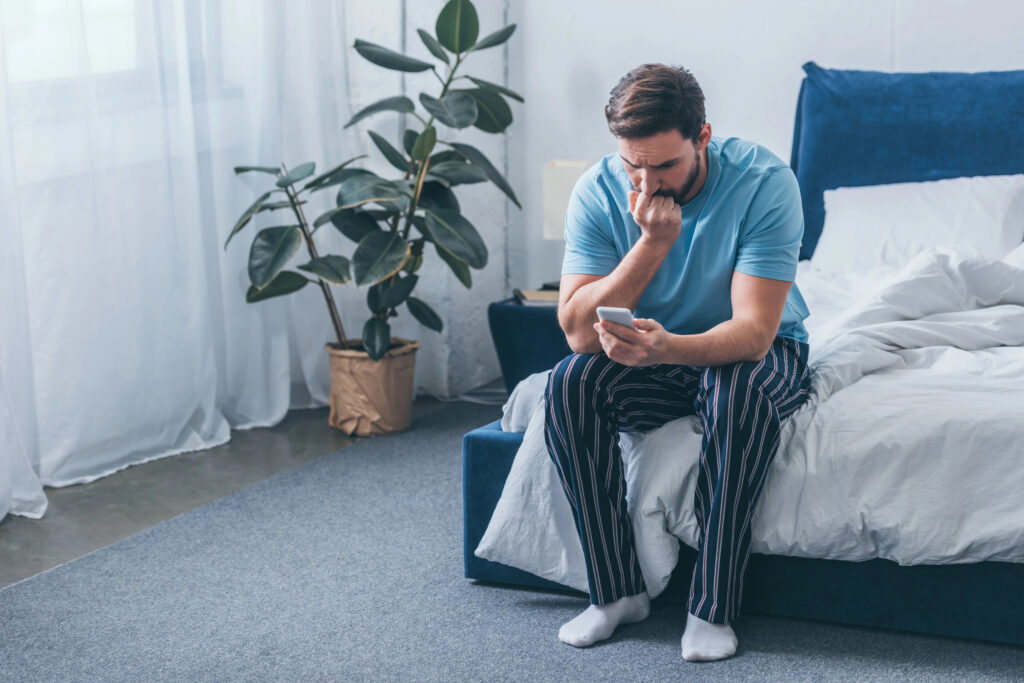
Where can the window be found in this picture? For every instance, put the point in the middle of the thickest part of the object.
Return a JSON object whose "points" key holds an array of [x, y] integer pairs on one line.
{"points": [[48, 40]]}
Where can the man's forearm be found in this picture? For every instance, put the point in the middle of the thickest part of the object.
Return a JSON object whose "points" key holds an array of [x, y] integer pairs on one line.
{"points": [[731, 341], [623, 287]]}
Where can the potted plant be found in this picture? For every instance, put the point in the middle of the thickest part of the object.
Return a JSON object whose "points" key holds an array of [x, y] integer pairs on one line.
{"points": [[391, 221]]}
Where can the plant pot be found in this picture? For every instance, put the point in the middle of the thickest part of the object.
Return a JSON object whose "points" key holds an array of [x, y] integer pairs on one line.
{"points": [[372, 397]]}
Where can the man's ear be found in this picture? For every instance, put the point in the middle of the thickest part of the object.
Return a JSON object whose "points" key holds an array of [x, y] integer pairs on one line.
{"points": [[705, 136]]}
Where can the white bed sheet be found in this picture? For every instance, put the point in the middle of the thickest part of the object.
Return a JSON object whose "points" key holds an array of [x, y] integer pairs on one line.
{"points": [[910, 446]]}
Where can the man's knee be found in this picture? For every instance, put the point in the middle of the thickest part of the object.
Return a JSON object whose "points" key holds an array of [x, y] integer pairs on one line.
{"points": [[569, 373], [563, 384], [737, 391]]}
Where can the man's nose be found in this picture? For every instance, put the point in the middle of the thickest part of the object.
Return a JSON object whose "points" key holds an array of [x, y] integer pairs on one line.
{"points": [[648, 185]]}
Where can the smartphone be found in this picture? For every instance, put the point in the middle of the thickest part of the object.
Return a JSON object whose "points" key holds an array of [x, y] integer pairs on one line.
{"points": [[622, 316]]}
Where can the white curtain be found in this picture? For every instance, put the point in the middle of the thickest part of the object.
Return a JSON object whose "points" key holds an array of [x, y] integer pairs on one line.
{"points": [[125, 333]]}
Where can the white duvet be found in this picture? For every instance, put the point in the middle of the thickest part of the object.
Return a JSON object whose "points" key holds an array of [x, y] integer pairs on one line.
{"points": [[910, 446]]}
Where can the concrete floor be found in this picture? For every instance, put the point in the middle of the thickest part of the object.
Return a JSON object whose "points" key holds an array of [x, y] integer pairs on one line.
{"points": [[86, 517]]}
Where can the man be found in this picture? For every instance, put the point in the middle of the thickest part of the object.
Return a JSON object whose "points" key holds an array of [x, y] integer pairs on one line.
{"points": [[700, 236]]}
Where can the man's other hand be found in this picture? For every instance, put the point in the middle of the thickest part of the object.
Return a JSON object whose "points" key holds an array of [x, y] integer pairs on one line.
{"points": [[660, 218], [646, 345]]}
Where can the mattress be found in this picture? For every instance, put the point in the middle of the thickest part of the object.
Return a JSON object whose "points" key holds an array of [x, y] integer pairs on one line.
{"points": [[909, 447]]}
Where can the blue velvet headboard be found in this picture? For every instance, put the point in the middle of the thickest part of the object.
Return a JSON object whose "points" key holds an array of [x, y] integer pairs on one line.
{"points": [[857, 128]]}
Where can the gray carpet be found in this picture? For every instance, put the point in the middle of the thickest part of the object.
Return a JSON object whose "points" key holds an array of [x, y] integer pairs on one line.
{"points": [[350, 568]]}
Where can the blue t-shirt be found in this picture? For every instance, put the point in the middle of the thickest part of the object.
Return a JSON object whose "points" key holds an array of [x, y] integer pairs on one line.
{"points": [[747, 217]]}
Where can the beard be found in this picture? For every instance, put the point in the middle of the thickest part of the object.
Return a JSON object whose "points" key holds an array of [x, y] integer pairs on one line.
{"points": [[680, 196]]}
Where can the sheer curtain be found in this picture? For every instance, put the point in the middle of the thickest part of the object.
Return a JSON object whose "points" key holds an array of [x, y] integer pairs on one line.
{"points": [[124, 334]]}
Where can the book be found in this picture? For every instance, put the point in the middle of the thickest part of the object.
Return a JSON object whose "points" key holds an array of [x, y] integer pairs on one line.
{"points": [[536, 297]]}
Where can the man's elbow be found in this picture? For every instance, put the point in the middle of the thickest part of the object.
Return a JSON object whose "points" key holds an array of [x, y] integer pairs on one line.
{"points": [[579, 341], [763, 348], [581, 345], [758, 356]]}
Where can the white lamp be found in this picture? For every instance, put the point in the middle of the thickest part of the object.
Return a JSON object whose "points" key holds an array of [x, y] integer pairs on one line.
{"points": [[560, 178]]}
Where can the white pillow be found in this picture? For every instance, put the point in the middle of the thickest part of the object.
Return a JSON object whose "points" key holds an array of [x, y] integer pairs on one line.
{"points": [[1016, 257], [884, 226]]}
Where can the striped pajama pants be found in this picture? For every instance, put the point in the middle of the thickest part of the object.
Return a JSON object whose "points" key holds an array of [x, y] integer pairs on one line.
{"points": [[590, 398]]}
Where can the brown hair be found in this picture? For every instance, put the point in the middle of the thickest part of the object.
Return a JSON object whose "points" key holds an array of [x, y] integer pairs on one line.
{"points": [[654, 98]]}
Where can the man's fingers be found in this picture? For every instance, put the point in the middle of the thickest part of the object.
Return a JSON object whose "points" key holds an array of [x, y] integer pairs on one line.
{"points": [[664, 204], [606, 339], [643, 204], [645, 198], [616, 345], [618, 331], [651, 207]]}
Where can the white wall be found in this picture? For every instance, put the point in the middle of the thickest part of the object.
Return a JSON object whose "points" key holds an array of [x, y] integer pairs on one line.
{"points": [[746, 54]]}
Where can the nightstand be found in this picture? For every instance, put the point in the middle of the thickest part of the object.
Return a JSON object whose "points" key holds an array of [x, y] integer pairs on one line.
{"points": [[528, 339]]}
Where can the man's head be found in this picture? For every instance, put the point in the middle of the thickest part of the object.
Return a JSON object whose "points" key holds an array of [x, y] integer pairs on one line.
{"points": [[657, 114]]}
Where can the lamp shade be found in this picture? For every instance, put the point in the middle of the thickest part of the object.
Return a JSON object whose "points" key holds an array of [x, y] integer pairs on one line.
{"points": [[560, 178]]}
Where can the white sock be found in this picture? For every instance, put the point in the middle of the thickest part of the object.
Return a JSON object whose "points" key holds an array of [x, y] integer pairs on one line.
{"points": [[705, 642], [597, 622]]}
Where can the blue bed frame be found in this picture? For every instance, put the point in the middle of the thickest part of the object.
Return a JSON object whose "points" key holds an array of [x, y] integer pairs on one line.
{"points": [[852, 128]]}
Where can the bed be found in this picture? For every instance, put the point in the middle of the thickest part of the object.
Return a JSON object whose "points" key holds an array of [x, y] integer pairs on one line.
{"points": [[854, 129]]}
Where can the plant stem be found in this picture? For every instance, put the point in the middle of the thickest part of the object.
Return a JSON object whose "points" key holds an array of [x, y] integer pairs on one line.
{"points": [[422, 170], [324, 287], [415, 198], [451, 75]]}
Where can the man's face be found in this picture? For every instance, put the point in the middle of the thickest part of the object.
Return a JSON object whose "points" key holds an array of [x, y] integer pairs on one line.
{"points": [[664, 164]]}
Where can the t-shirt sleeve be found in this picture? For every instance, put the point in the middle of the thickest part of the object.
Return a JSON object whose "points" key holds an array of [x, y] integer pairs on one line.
{"points": [[769, 244], [589, 247]]}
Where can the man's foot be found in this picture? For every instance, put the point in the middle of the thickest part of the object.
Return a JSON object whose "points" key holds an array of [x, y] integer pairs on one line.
{"points": [[597, 622], [706, 642]]}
